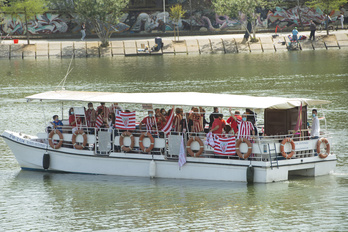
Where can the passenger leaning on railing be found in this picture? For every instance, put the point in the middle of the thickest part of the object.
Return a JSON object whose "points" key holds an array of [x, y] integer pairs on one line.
{"points": [[149, 122]]}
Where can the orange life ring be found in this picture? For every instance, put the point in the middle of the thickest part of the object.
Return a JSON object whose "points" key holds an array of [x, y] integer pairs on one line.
{"points": [[323, 140], [188, 146], [250, 148], [50, 136], [286, 155], [73, 139], [123, 147], [141, 145]]}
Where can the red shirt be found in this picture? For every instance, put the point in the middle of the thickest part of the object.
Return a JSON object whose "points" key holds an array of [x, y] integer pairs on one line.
{"points": [[218, 122], [72, 119], [233, 123]]}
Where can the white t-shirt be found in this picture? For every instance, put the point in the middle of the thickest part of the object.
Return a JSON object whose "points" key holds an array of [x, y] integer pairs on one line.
{"points": [[315, 127]]}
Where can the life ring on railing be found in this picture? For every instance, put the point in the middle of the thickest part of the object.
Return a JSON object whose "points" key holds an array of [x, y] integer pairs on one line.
{"points": [[323, 140], [250, 148], [188, 146], [141, 145], [73, 139], [123, 147], [50, 136], [287, 140]]}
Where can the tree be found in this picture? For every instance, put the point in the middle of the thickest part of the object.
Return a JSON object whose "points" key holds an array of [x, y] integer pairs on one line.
{"points": [[326, 6], [176, 12], [234, 8], [26, 9]]}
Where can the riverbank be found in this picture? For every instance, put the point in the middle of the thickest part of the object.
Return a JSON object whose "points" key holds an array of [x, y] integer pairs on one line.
{"points": [[131, 46]]}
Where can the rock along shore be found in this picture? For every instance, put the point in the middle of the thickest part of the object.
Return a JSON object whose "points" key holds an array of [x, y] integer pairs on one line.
{"points": [[211, 44]]}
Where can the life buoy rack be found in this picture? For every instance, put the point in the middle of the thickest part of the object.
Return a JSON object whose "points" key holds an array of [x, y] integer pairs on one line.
{"points": [[141, 145], [201, 146], [123, 147], [73, 139], [323, 140], [50, 139], [250, 148], [286, 155]]}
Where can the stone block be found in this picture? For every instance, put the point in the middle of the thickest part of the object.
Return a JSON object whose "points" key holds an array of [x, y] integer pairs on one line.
{"points": [[67, 48], [306, 45], [55, 49], [204, 46], [255, 47], [130, 48], [230, 46], [180, 46], [105, 52], [267, 44], [29, 51], [4, 51], [217, 46], [117, 48], [331, 45], [168, 47], [80, 49], [242, 47], [42, 50], [16, 51], [192, 46], [280, 44], [342, 37], [343, 44], [318, 45], [92, 49]]}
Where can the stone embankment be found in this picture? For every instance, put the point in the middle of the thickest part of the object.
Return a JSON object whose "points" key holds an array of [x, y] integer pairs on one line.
{"points": [[190, 45]]}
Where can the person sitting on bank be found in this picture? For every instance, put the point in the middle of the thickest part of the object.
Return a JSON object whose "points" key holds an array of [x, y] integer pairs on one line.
{"points": [[57, 124], [149, 122]]}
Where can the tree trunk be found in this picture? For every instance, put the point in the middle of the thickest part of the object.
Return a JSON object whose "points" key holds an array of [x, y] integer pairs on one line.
{"points": [[26, 24]]}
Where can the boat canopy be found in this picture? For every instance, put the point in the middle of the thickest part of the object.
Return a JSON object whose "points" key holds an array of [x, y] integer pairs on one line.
{"points": [[180, 99]]}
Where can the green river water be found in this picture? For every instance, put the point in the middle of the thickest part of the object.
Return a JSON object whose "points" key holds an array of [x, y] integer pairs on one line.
{"points": [[39, 201]]}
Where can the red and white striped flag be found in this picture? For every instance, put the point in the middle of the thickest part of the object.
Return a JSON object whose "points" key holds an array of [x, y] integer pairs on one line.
{"points": [[99, 121], [169, 125], [125, 121], [225, 146]]}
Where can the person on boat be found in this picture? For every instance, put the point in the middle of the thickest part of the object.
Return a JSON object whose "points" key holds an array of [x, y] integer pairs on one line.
{"points": [[245, 127], [252, 117], [100, 122], [115, 108], [233, 123], [197, 120], [57, 124], [74, 121], [177, 119], [112, 119], [105, 111], [160, 119], [315, 129], [149, 122], [228, 132], [186, 123], [218, 124], [163, 112], [211, 117], [91, 115]]}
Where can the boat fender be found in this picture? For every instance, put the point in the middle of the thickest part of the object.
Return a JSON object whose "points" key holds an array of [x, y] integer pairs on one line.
{"points": [[152, 169], [322, 154], [46, 161], [250, 174]]}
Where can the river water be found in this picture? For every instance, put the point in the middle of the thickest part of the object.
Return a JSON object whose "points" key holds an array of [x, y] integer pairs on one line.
{"points": [[39, 201]]}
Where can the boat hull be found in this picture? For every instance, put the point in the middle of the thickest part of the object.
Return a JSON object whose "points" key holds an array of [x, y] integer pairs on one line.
{"points": [[29, 155]]}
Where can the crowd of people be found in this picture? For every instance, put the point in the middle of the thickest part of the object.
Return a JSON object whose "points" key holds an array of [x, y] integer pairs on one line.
{"points": [[193, 121]]}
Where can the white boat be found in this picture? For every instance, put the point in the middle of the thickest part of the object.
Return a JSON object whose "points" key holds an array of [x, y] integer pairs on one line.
{"points": [[270, 158]]}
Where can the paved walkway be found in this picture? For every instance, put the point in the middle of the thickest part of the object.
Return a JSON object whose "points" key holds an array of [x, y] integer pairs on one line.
{"points": [[207, 44]]}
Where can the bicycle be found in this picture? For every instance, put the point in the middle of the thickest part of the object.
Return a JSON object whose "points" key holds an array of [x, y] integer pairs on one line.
{"points": [[331, 25]]}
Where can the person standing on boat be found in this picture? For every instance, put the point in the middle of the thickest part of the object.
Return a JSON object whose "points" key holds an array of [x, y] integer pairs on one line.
{"points": [[105, 111], [160, 119], [294, 35], [234, 123], [245, 127], [91, 115], [115, 108], [218, 125], [197, 120], [74, 121], [315, 125], [149, 122], [211, 117], [177, 119], [57, 124]]}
